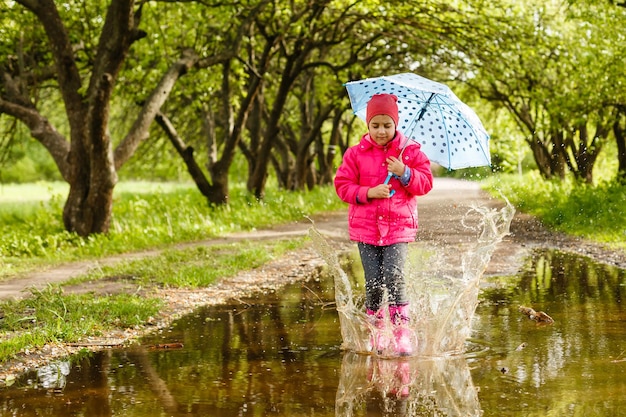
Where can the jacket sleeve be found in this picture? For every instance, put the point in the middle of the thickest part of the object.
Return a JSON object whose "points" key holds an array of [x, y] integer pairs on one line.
{"points": [[421, 181], [347, 180]]}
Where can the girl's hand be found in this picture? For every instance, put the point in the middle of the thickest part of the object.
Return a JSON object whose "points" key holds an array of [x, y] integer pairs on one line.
{"points": [[380, 191], [395, 166]]}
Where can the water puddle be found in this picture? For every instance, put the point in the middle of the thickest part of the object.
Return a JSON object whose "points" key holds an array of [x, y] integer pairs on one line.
{"points": [[300, 351], [574, 367]]}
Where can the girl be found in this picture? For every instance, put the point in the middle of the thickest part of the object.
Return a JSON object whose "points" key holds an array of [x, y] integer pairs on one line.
{"points": [[382, 216]]}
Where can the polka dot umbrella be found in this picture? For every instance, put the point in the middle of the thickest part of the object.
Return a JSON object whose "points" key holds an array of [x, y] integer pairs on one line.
{"points": [[448, 130]]}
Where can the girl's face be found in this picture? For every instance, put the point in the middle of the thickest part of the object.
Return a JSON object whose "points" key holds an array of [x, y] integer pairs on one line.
{"points": [[382, 129]]}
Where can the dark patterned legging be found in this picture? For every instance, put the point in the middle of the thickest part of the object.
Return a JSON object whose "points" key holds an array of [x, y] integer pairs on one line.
{"points": [[384, 269]]}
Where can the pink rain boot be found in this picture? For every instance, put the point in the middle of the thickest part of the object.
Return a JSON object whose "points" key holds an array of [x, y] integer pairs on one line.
{"points": [[402, 381], [378, 338], [404, 337]]}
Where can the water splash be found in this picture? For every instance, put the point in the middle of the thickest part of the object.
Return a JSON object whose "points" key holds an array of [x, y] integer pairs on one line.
{"points": [[352, 319], [442, 305], [438, 381], [446, 304]]}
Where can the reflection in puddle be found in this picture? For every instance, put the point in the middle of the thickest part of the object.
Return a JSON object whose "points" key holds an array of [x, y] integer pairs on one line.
{"points": [[53, 375], [573, 367], [405, 387]]}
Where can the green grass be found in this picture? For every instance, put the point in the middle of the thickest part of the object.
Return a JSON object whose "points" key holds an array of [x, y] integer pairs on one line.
{"points": [[49, 316], [195, 267], [592, 212], [33, 236]]}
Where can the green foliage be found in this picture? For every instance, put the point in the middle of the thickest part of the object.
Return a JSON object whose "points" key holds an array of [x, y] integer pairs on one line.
{"points": [[593, 212], [51, 316], [147, 216], [553, 67]]}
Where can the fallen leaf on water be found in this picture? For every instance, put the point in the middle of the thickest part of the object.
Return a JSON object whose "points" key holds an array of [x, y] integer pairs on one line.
{"points": [[538, 316], [167, 346]]}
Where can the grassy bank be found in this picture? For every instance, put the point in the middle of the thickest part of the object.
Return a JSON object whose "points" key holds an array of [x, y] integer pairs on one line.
{"points": [[51, 315], [592, 212], [146, 216]]}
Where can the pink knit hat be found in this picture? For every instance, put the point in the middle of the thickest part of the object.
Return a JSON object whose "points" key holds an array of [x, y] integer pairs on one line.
{"points": [[383, 104]]}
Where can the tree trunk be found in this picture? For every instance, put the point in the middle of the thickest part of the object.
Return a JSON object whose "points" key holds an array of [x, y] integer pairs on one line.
{"points": [[283, 163], [542, 157], [292, 67], [186, 152], [327, 159], [89, 205], [587, 155], [306, 154], [619, 131]]}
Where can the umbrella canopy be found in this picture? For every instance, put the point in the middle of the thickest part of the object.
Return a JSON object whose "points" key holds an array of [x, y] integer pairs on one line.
{"points": [[449, 131]]}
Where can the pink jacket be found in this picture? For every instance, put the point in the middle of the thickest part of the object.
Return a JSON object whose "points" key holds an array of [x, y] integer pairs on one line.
{"points": [[382, 222]]}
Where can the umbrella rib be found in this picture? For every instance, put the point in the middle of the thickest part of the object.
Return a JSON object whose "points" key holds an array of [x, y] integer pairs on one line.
{"points": [[445, 130], [464, 119], [416, 120]]}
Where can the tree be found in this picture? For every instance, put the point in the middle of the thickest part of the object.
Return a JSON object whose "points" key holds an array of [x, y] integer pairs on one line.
{"points": [[321, 46], [619, 130], [277, 94], [554, 69], [84, 67], [612, 21], [86, 160], [225, 114], [82, 59]]}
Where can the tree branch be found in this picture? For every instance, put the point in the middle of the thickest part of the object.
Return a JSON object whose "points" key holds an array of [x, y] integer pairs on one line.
{"points": [[67, 72], [43, 131], [140, 129]]}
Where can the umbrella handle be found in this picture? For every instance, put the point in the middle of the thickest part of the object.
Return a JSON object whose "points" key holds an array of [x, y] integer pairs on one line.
{"points": [[389, 175]]}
